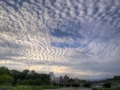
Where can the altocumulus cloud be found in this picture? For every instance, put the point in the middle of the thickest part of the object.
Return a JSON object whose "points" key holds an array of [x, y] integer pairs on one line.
{"points": [[61, 35]]}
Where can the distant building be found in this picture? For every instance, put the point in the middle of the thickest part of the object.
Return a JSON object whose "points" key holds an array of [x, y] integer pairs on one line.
{"points": [[52, 76], [66, 78], [60, 79], [57, 80], [76, 80]]}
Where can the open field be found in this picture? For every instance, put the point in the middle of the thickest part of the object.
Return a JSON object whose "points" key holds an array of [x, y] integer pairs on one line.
{"points": [[27, 87], [106, 89]]}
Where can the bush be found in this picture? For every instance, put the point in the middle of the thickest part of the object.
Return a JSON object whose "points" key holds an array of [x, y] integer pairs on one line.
{"points": [[6, 79], [37, 82], [30, 82], [94, 89]]}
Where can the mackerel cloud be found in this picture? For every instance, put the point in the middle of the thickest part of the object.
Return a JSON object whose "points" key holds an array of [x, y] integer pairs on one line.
{"points": [[61, 35]]}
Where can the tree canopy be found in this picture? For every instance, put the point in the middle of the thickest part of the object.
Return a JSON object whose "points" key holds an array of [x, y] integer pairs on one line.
{"points": [[6, 79], [25, 77]]}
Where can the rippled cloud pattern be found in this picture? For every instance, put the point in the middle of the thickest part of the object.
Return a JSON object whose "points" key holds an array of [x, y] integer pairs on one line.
{"points": [[61, 36]]}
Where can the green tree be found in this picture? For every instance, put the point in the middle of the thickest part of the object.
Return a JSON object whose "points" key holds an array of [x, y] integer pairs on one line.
{"points": [[19, 82], [71, 80], [5, 69], [2, 72], [25, 77], [38, 82], [45, 78], [6, 79], [25, 74], [116, 78], [16, 74]]}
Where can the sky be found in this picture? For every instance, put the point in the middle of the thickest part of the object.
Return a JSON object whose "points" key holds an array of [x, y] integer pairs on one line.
{"points": [[80, 38]]}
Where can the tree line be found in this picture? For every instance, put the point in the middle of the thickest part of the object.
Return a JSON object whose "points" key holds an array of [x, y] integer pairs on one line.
{"points": [[28, 77], [116, 78], [25, 77]]}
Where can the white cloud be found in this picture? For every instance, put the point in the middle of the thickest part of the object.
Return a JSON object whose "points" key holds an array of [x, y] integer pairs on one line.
{"points": [[74, 34]]}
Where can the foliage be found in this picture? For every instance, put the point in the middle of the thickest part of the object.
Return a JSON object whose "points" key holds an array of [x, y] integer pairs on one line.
{"points": [[83, 80], [94, 89], [116, 78], [105, 88], [30, 82], [50, 87], [25, 77], [16, 74], [5, 70], [6, 79], [71, 80], [53, 83], [28, 87], [2, 72]]}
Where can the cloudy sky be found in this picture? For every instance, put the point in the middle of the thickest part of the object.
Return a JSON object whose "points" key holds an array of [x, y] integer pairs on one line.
{"points": [[80, 38]]}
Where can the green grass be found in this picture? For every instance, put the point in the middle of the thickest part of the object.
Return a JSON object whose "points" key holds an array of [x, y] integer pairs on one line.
{"points": [[105, 88], [28, 87], [50, 87]]}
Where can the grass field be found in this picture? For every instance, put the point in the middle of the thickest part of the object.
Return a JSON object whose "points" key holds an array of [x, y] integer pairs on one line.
{"points": [[27, 87], [106, 89]]}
